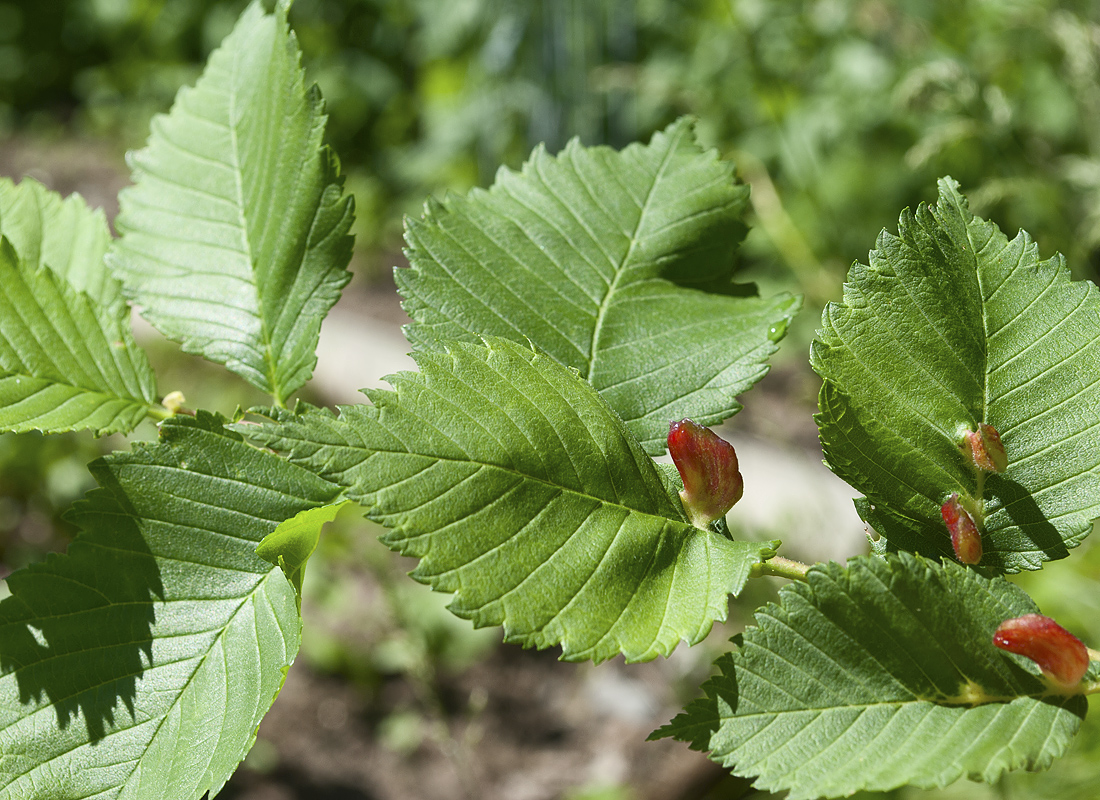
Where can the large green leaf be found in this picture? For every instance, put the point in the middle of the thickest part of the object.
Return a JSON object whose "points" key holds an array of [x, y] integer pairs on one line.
{"points": [[66, 361], [139, 664], [64, 235], [877, 675], [234, 238], [524, 494], [951, 325], [619, 264]]}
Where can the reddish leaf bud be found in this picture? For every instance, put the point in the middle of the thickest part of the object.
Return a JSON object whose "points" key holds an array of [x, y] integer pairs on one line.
{"points": [[986, 451], [965, 537], [708, 467], [1061, 656]]}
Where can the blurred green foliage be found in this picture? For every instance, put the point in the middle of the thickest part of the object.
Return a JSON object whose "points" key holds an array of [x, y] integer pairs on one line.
{"points": [[839, 112], [367, 620], [40, 477]]}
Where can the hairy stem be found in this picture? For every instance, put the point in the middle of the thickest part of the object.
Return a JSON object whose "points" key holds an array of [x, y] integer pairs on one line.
{"points": [[979, 488], [781, 567]]}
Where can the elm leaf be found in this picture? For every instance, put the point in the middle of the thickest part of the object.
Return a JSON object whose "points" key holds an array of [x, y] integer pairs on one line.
{"points": [[64, 235], [951, 326], [619, 264], [234, 237], [524, 495], [876, 675], [67, 362]]}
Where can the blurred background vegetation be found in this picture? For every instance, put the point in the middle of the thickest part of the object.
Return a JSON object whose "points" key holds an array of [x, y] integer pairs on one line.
{"points": [[839, 113]]}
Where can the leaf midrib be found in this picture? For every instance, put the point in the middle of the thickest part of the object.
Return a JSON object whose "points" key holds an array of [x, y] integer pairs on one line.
{"points": [[245, 600], [238, 173], [109, 393], [330, 475], [979, 276], [621, 269], [1039, 697]]}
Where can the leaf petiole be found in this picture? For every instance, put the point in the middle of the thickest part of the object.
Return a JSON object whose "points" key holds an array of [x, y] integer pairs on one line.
{"points": [[170, 405], [782, 568]]}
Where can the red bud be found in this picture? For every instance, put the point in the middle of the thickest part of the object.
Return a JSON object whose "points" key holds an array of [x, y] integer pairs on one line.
{"points": [[1061, 656], [708, 467], [965, 537], [986, 451]]}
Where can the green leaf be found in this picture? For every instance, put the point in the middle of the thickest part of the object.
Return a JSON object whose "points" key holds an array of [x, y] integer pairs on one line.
{"points": [[878, 675], [66, 362], [291, 544], [139, 664], [619, 264], [64, 235], [525, 495], [952, 325], [234, 238]]}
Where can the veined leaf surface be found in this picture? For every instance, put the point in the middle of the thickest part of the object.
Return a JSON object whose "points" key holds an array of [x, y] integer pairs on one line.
{"points": [[65, 235], [234, 238], [67, 362], [952, 325], [524, 494], [619, 264], [139, 664], [877, 675]]}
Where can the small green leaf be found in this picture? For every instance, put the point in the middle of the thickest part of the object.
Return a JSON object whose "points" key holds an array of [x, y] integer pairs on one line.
{"points": [[64, 235], [953, 325], [66, 362], [878, 675], [291, 544], [234, 238], [619, 264], [526, 496], [139, 664]]}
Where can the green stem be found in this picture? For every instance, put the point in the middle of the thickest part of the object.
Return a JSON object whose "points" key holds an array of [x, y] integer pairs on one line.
{"points": [[158, 413], [781, 568], [171, 403], [979, 487]]}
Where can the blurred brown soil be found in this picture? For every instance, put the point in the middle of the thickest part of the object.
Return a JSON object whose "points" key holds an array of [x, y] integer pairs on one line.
{"points": [[539, 729]]}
